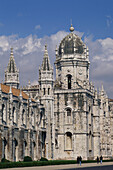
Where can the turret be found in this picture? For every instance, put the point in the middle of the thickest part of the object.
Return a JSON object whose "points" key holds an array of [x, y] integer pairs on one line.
{"points": [[47, 99], [46, 76], [12, 73], [72, 62]]}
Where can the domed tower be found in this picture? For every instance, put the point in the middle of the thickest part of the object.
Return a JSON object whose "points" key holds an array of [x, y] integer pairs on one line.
{"points": [[12, 73], [73, 101], [72, 62]]}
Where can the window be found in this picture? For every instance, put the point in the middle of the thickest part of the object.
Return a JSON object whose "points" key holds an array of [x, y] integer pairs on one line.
{"points": [[15, 150], [23, 117], [69, 81], [68, 112], [4, 148], [25, 148], [48, 91], [104, 114], [44, 91], [68, 115], [68, 141]]}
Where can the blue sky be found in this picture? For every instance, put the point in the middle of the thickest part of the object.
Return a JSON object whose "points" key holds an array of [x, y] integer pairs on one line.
{"points": [[27, 25], [89, 16]]}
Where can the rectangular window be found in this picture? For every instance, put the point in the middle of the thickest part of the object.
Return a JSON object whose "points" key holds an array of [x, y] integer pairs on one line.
{"points": [[44, 91], [48, 91]]}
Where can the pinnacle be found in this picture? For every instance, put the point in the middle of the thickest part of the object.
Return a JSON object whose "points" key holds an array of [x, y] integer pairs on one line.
{"points": [[46, 63]]}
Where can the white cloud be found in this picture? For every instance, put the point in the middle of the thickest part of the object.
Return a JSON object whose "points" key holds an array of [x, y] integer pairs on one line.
{"points": [[101, 57], [37, 27], [29, 52]]}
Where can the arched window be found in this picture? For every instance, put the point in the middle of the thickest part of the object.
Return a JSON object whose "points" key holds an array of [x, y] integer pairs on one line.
{"points": [[34, 150], [68, 112], [68, 141], [15, 150], [68, 115], [25, 148], [69, 81], [56, 143], [44, 91], [4, 148], [48, 91], [104, 114]]}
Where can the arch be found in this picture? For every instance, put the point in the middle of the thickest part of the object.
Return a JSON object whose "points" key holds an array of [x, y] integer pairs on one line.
{"points": [[15, 149], [4, 148], [68, 141], [25, 148], [48, 90], [33, 150], [68, 112]]}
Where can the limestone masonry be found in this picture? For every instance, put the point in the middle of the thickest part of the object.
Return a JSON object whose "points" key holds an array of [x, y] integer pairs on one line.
{"points": [[57, 119]]}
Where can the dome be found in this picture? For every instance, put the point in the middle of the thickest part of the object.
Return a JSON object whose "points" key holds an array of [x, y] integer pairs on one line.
{"points": [[70, 44]]}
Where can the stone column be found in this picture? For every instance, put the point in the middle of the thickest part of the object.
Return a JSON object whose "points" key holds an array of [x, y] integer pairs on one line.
{"points": [[96, 128]]}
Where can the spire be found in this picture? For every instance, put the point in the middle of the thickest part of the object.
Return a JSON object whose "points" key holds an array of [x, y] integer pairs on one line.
{"points": [[46, 63], [11, 51], [102, 88], [96, 94], [12, 73], [11, 65]]}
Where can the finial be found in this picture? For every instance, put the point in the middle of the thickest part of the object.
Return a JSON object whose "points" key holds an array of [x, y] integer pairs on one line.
{"points": [[102, 88], [45, 46], [11, 50], [29, 84], [71, 28], [45, 51], [56, 51]]}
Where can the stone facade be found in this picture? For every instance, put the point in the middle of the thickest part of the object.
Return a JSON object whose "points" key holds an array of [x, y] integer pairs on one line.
{"points": [[57, 119]]}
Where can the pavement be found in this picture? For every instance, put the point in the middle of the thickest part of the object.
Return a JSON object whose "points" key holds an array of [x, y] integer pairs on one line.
{"points": [[89, 166]]}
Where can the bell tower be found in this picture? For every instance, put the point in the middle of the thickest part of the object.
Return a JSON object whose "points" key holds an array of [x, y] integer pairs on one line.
{"points": [[72, 62], [12, 73], [47, 99]]}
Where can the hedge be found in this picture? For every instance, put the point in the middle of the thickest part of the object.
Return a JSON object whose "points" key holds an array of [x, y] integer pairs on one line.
{"points": [[43, 163]]}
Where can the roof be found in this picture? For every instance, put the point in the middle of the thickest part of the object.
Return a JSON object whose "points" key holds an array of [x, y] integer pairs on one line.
{"points": [[110, 100], [15, 92], [70, 42]]}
